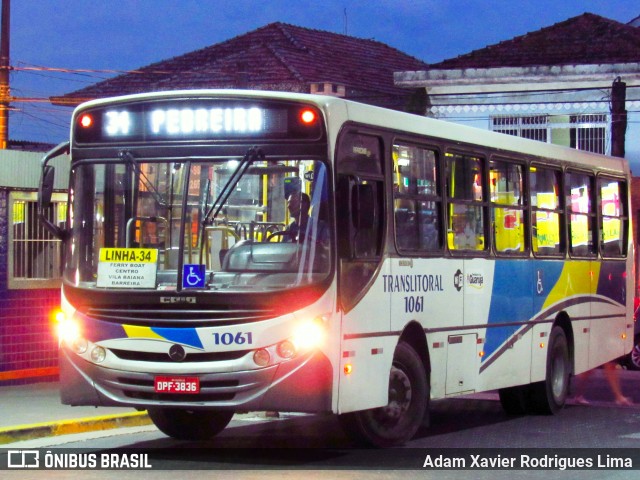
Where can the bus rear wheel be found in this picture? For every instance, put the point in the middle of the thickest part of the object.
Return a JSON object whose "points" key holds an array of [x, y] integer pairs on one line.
{"points": [[633, 359], [549, 396], [189, 424], [398, 421]]}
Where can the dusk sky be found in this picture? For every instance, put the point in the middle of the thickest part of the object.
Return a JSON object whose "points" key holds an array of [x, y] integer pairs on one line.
{"points": [[123, 35]]}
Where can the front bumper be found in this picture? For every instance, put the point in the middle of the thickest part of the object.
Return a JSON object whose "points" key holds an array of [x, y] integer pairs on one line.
{"points": [[303, 384]]}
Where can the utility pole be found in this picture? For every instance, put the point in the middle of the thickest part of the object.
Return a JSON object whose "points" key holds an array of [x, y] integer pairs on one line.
{"points": [[4, 75], [618, 117]]}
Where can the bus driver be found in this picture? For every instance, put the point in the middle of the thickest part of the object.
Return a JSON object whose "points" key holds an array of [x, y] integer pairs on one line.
{"points": [[298, 204]]}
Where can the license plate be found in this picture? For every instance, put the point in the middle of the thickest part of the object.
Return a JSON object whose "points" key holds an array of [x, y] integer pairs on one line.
{"points": [[177, 385]]}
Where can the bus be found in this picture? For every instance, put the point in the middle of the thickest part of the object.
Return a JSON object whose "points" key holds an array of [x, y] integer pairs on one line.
{"points": [[434, 260]]}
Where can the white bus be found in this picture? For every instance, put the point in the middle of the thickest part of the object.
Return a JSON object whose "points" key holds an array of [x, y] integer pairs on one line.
{"points": [[434, 260]]}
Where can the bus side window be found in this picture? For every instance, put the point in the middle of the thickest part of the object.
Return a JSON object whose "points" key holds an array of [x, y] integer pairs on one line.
{"points": [[466, 208], [507, 206], [614, 221], [417, 199], [546, 215], [579, 190]]}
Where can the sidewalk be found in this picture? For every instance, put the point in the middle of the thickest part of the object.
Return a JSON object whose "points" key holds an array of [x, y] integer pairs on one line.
{"points": [[34, 411]]}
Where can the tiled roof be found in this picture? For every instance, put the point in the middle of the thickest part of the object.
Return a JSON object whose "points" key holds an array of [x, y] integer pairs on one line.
{"points": [[277, 56], [585, 39]]}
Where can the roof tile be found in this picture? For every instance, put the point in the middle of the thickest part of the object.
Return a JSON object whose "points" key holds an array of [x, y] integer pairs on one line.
{"points": [[277, 56], [585, 39]]}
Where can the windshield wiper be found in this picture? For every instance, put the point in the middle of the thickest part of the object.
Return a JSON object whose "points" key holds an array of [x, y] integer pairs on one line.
{"points": [[253, 154], [130, 159]]}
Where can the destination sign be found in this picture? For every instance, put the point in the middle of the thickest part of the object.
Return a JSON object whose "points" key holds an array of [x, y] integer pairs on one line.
{"points": [[195, 120], [127, 267]]}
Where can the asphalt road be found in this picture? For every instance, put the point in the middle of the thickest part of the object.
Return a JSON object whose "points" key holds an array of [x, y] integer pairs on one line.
{"points": [[314, 446]]}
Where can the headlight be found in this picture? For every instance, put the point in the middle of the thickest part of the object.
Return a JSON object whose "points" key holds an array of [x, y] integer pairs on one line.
{"points": [[98, 354], [67, 329], [309, 335], [261, 357]]}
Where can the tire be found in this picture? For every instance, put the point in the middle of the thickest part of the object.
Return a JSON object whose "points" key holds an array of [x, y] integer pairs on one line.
{"points": [[399, 420], [549, 396], [633, 359], [189, 424], [513, 399]]}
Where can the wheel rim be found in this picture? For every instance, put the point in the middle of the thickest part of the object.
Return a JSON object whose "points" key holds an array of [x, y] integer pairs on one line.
{"points": [[399, 399], [635, 356], [558, 382]]}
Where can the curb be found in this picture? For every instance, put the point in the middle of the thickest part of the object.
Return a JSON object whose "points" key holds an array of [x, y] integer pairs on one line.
{"points": [[67, 427]]}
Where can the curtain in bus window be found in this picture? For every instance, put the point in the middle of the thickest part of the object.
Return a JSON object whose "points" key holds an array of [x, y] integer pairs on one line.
{"points": [[578, 194], [465, 209], [612, 217], [545, 203], [417, 201], [507, 206]]}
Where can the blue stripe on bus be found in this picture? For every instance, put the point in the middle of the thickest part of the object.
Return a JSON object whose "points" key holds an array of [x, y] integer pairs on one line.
{"points": [[184, 336], [515, 296]]}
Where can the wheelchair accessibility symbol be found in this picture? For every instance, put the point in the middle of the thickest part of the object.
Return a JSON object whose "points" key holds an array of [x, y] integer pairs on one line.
{"points": [[193, 276]]}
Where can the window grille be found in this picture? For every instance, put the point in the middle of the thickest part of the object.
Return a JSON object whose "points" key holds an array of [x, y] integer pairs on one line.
{"points": [[534, 127], [588, 132], [34, 254]]}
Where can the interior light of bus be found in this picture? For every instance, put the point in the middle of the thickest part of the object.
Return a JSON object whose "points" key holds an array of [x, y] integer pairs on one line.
{"points": [[233, 164], [348, 369], [261, 357], [86, 120], [308, 116]]}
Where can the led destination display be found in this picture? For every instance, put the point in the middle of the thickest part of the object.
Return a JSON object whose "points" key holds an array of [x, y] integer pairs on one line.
{"points": [[195, 120]]}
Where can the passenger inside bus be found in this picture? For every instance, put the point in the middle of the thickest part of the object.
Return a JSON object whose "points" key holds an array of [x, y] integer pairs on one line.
{"points": [[298, 204]]}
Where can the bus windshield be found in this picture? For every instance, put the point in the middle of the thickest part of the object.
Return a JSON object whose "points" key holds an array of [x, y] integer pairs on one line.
{"points": [[235, 223]]}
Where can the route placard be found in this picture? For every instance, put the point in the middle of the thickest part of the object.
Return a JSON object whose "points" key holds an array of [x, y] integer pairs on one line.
{"points": [[127, 267]]}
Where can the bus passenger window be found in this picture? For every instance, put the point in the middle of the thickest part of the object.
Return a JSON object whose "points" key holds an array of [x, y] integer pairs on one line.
{"points": [[546, 218], [507, 207], [613, 218], [580, 213], [417, 199], [466, 208]]}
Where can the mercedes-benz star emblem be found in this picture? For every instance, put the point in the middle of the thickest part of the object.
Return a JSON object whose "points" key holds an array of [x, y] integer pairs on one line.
{"points": [[177, 353]]}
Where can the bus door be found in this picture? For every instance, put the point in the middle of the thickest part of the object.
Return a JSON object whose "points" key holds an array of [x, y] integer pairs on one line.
{"points": [[366, 346]]}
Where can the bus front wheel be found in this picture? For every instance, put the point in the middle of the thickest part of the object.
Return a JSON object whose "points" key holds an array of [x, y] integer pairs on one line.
{"points": [[189, 424], [399, 420], [550, 395]]}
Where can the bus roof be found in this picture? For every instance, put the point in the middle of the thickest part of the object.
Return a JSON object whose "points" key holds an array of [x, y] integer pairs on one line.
{"points": [[402, 122]]}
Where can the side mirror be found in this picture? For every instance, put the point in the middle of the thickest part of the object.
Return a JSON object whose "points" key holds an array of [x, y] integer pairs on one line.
{"points": [[45, 189]]}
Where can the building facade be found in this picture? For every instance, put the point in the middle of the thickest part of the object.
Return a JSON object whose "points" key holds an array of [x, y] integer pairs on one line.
{"points": [[29, 270], [554, 85]]}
